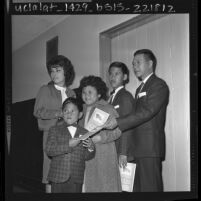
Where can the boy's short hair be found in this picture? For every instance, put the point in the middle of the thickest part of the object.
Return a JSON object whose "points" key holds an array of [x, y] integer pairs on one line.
{"points": [[123, 68], [74, 101], [149, 55], [65, 63]]}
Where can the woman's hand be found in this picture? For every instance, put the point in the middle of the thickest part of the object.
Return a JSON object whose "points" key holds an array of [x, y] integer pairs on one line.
{"points": [[88, 143], [110, 124], [74, 142], [96, 139]]}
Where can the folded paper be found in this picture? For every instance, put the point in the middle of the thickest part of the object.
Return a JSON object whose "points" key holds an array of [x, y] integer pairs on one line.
{"points": [[127, 177], [98, 119], [95, 123], [88, 134]]}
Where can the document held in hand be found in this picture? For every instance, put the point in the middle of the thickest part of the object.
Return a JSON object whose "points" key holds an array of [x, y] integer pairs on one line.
{"points": [[98, 119], [86, 135], [127, 177]]}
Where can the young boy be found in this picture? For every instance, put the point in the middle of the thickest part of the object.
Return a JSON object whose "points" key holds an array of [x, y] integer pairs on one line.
{"points": [[123, 102], [67, 154]]}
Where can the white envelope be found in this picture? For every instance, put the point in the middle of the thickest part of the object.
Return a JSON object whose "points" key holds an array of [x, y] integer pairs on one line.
{"points": [[142, 94], [116, 106], [127, 177]]}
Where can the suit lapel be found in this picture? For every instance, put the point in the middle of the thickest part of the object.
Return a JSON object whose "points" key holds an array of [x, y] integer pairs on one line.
{"points": [[77, 133], [117, 96], [65, 130], [146, 85], [148, 82]]}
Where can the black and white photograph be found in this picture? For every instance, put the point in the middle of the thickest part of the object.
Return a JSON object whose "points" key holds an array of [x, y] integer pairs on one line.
{"points": [[101, 99]]}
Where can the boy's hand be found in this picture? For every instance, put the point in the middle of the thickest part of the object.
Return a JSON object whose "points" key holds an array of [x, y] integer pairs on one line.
{"points": [[74, 142], [88, 143]]}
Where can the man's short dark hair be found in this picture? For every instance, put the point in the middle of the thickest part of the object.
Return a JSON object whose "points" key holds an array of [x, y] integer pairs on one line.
{"points": [[149, 55]]}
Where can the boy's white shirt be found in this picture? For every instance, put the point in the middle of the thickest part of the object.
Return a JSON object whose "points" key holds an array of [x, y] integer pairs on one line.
{"points": [[72, 130]]}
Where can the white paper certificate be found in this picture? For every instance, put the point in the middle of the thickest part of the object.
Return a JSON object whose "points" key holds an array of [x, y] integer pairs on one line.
{"points": [[127, 177], [98, 118]]}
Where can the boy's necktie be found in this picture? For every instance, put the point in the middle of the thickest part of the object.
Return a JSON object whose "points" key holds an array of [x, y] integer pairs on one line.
{"points": [[111, 96]]}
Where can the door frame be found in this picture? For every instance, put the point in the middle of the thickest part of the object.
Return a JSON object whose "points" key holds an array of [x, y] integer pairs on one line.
{"points": [[106, 37]]}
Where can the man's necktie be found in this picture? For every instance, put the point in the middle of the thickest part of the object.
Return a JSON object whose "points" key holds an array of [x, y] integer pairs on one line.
{"points": [[139, 89]]}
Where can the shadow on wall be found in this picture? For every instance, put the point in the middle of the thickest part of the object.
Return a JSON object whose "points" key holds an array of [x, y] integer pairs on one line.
{"points": [[26, 153]]}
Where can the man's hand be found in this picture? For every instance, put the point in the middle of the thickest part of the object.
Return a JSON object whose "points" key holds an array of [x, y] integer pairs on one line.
{"points": [[122, 161], [74, 142]]}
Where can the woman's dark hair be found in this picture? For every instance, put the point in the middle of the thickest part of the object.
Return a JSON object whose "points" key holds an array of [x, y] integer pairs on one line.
{"points": [[149, 55], [74, 101], [123, 67], [67, 66], [95, 82]]}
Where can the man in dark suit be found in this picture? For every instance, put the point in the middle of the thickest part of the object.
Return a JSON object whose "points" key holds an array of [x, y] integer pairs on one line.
{"points": [[148, 119]]}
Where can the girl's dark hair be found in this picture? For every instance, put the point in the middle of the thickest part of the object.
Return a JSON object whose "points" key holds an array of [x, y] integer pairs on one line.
{"points": [[149, 55], [95, 82], [123, 68], [74, 101], [67, 66]]}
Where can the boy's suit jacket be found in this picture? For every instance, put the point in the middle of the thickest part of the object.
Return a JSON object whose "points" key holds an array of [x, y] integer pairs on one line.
{"points": [[148, 118], [66, 161], [124, 104]]}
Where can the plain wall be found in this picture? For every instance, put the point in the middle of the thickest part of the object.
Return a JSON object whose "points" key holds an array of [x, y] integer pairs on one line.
{"points": [[78, 40]]}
